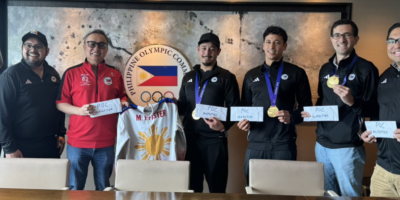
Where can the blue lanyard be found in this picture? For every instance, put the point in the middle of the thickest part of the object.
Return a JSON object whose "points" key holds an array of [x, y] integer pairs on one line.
{"points": [[348, 71], [196, 89], [273, 94]]}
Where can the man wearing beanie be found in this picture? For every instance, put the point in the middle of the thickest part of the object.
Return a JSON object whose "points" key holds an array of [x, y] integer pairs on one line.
{"points": [[207, 148], [30, 124]]}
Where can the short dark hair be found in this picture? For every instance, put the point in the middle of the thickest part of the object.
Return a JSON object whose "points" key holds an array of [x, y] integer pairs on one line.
{"points": [[276, 30], [98, 31], [344, 22], [396, 25]]}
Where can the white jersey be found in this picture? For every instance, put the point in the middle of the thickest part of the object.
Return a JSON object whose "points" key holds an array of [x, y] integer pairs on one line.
{"points": [[151, 133]]}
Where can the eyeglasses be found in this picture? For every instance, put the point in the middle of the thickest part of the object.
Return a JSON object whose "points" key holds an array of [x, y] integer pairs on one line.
{"points": [[337, 36], [28, 46], [392, 41], [101, 45]]}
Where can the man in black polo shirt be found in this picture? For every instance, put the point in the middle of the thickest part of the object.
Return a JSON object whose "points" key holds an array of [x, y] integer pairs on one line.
{"points": [[385, 181], [282, 89], [30, 124], [207, 148], [349, 82]]}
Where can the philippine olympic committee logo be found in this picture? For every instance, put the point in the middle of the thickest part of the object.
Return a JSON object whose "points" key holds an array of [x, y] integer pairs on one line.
{"points": [[154, 70]]}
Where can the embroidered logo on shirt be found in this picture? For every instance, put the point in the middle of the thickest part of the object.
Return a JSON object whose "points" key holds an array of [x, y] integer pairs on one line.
{"points": [[54, 79], [214, 79], [85, 79], [384, 81], [327, 77], [112, 74], [284, 76], [107, 81], [352, 77], [189, 81], [256, 80], [28, 81]]}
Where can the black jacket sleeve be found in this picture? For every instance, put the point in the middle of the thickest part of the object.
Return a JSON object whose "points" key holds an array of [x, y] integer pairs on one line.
{"points": [[182, 101], [368, 105], [9, 88], [246, 99], [62, 131], [303, 97], [232, 98], [320, 93]]}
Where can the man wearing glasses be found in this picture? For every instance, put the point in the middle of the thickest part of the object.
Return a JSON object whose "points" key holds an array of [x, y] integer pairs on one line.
{"points": [[385, 181], [91, 139], [349, 82], [30, 124]]}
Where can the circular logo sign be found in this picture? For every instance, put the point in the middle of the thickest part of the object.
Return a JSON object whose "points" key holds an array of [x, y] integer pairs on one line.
{"points": [[352, 76], [154, 70], [107, 81], [54, 79], [284, 76], [214, 79]]}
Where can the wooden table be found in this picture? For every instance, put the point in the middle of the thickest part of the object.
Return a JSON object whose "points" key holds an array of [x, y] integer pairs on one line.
{"points": [[19, 194]]}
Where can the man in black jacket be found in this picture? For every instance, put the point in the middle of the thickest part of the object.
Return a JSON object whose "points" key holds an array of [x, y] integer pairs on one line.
{"points": [[275, 137], [30, 124], [385, 181], [349, 82], [207, 148]]}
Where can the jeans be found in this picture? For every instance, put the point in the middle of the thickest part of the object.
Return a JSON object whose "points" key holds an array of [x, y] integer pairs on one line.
{"points": [[384, 183], [343, 169], [102, 161]]}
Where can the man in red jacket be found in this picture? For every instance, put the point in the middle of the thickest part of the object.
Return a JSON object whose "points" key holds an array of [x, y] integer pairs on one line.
{"points": [[91, 139]]}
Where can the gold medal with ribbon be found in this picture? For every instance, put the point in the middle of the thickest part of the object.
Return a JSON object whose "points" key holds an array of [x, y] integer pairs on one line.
{"points": [[332, 81], [272, 111], [194, 115]]}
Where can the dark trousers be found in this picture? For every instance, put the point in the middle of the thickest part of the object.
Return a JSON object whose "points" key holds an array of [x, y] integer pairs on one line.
{"points": [[47, 151], [211, 161], [273, 155]]}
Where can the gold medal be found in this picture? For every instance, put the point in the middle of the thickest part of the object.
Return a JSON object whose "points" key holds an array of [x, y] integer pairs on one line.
{"points": [[194, 115], [272, 111], [332, 81]]}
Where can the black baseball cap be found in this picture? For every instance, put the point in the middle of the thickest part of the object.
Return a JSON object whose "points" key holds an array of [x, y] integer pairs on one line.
{"points": [[37, 35], [209, 37]]}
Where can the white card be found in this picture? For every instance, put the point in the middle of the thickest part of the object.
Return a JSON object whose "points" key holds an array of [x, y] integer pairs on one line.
{"points": [[381, 129], [253, 114], [321, 113], [106, 107], [207, 111]]}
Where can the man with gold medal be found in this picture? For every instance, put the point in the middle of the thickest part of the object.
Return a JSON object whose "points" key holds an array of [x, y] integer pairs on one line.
{"points": [[350, 82], [207, 148], [282, 89]]}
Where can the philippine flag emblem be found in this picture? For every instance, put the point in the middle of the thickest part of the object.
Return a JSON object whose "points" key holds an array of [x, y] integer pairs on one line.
{"points": [[157, 76], [107, 81]]}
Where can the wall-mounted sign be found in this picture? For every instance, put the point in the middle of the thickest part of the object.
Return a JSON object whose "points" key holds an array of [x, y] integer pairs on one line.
{"points": [[154, 72]]}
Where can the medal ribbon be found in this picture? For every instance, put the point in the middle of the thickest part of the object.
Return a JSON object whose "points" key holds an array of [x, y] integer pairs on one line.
{"points": [[348, 71], [273, 94], [196, 89]]}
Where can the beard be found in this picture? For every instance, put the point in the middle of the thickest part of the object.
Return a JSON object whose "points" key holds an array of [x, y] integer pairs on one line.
{"points": [[33, 64], [208, 64]]}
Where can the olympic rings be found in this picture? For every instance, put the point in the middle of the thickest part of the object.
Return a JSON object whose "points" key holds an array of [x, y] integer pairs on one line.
{"points": [[159, 99], [169, 92], [141, 96], [155, 99]]}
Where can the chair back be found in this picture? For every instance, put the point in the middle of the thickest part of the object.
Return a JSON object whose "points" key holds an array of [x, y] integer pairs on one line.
{"points": [[281, 177], [34, 173], [152, 175]]}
